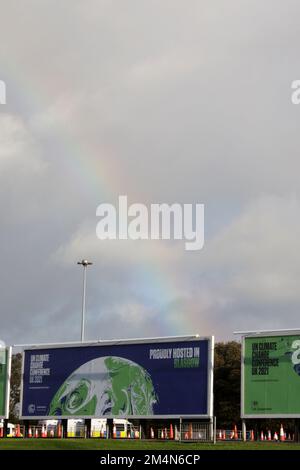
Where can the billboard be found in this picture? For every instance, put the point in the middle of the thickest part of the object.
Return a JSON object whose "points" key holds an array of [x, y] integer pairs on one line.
{"points": [[5, 360], [168, 377], [271, 376]]}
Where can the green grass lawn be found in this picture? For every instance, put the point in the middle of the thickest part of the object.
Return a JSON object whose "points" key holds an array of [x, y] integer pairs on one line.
{"points": [[97, 444]]}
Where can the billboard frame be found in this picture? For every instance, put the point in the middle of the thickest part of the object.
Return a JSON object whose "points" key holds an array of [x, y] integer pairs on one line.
{"points": [[7, 388], [116, 342], [262, 334]]}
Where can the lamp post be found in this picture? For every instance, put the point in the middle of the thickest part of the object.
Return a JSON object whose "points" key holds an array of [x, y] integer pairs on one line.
{"points": [[85, 263]]}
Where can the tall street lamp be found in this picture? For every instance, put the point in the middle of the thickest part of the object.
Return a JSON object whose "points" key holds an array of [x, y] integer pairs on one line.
{"points": [[85, 263]]}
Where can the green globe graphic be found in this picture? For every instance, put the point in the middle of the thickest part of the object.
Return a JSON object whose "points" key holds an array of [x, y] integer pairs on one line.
{"points": [[105, 386]]}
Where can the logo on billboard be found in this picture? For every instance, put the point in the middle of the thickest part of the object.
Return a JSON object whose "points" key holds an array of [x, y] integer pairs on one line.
{"points": [[31, 408]]}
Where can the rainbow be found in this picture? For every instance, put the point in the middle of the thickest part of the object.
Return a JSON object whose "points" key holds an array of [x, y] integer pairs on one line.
{"points": [[99, 177]]}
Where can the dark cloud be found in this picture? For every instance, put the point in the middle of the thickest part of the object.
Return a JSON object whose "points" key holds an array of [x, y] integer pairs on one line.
{"points": [[165, 102]]}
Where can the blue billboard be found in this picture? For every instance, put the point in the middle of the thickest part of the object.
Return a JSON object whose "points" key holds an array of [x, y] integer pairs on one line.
{"points": [[151, 378]]}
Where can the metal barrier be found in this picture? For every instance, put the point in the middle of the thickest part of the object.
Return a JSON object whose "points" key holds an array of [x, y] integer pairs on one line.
{"points": [[166, 433], [261, 436], [197, 431], [230, 435]]}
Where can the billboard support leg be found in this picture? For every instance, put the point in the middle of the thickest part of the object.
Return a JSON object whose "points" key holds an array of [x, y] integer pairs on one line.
{"points": [[110, 428], [26, 428], [64, 424], [143, 429], [5, 427], [244, 430], [215, 429], [88, 423], [296, 432], [180, 429], [211, 429]]}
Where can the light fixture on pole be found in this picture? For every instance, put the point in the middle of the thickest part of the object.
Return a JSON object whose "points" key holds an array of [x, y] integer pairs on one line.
{"points": [[85, 263]]}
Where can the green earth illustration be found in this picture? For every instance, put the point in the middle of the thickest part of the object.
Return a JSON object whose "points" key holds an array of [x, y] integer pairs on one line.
{"points": [[105, 386]]}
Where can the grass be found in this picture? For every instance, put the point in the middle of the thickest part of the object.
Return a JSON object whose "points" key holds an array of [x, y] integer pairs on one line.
{"points": [[107, 444]]}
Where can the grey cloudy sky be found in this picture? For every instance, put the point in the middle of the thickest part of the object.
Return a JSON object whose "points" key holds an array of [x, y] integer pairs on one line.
{"points": [[173, 101]]}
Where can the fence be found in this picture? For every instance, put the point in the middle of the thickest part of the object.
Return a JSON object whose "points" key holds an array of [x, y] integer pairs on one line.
{"points": [[184, 431], [230, 435], [197, 431]]}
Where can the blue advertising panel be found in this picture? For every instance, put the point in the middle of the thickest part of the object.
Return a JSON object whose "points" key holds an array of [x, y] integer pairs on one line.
{"points": [[118, 379]]}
